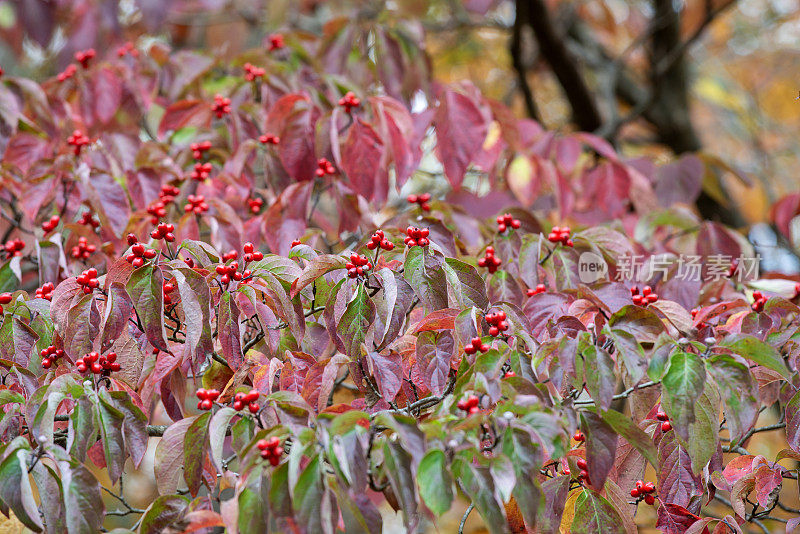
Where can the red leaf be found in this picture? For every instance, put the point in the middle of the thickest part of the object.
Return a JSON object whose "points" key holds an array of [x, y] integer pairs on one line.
{"points": [[460, 131], [434, 352], [293, 118], [438, 320], [107, 89], [388, 372], [675, 519], [362, 161], [185, 113], [784, 210]]}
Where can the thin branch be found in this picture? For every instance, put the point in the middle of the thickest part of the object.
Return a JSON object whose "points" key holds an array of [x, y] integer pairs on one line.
{"points": [[464, 518]]}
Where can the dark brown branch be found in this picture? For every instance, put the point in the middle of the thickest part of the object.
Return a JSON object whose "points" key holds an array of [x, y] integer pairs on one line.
{"points": [[553, 49], [520, 67]]}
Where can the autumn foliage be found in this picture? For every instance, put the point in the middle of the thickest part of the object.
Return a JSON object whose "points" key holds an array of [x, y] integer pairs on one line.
{"points": [[322, 286]]}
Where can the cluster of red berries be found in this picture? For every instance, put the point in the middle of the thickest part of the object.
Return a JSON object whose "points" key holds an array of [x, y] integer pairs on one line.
{"points": [[201, 171], [83, 249], [221, 105], [251, 72], [324, 167], [127, 48], [251, 254], [270, 450], [199, 149], [476, 345], [349, 101], [583, 475], [644, 491], [497, 322], [77, 140], [269, 139], [88, 279], [168, 288], [759, 299], [231, 272], [422, 200], [417, 237], [506, 221], [50, 355], [489, 260], [207, 398], [50, 225], [85, 56], [164, 231], [249, 399], [197, 204], [138, 252], [157, 210], [5, 298], [230, 255], [67, 73], [46, 291], [98, 364], [357, 265], [540, 288], [87, 219], [168, 193], [276, 41], [469, 405], [255, 204], [666, 426], [13, 247], [378, 239], [560, 235], [647, 296]]}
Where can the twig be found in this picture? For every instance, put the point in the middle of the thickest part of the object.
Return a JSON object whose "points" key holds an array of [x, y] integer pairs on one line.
{"points": [[464, 518]]}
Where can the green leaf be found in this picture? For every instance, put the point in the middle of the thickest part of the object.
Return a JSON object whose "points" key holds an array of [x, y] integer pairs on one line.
{"points": [[681, 387], [145, 287], [15, 486], [194, 452], [625, 427], [317, 267], [599, 375], [397, 468], [756, 350], [83, 325], [526, 457], [464, 282], [10, 274], [595, 515], [309, 496], [704, 432], [632, 353], [195, 301], [109, 419], [356, 320], [83, 504], [134, 424], [477, 483], [435, 483], [423, 271], [253, 509], [739, 392], [164, 512]]}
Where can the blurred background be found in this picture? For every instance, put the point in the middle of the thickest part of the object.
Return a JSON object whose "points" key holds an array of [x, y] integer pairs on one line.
{"points": [[657, 78]]}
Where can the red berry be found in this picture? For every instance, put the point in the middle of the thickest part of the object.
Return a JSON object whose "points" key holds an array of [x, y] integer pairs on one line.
{"points": [[666, 426], [649, 499], [634, 493]]}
